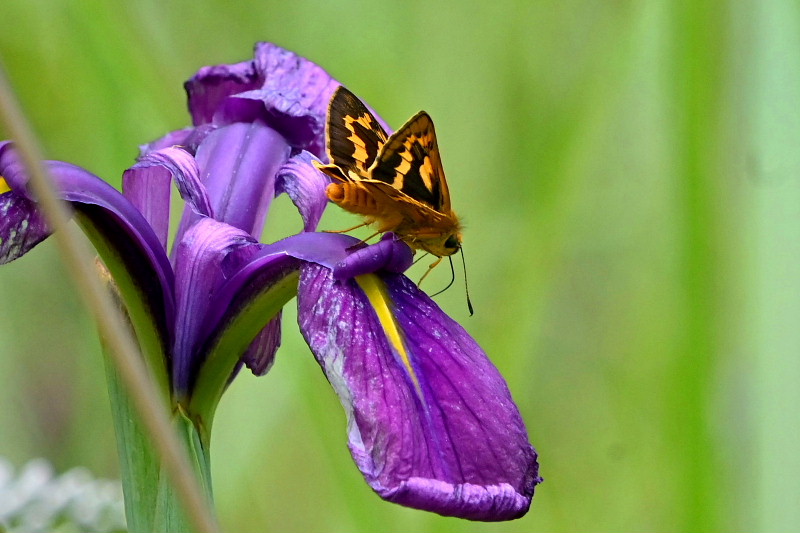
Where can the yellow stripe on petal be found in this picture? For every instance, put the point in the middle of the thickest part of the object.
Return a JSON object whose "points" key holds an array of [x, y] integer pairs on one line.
{"points": [[377, 295], [4, 188]]}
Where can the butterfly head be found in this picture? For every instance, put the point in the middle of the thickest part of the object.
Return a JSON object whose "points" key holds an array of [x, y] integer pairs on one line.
{"points": [[442, 246]]}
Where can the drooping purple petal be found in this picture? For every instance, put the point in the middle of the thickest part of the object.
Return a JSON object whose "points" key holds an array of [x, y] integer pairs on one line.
{"points": [[148, 184], [305, 185], [22, 226], [238, 164], [198, 274], [431, 423], [114, 219]]}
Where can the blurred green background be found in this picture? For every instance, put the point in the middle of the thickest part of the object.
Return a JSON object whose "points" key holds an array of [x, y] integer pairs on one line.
{"points": [[629, 174]]}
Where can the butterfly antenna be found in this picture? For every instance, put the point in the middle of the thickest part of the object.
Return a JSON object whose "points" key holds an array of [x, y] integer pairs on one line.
{"points": [[466, 287], [452, 278]]}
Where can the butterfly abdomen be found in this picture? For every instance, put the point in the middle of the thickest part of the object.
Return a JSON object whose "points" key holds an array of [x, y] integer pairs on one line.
{"points": [[351, 197]]}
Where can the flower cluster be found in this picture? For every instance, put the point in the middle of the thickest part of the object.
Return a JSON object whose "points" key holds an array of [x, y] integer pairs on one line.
{"points": [[431, 423]]}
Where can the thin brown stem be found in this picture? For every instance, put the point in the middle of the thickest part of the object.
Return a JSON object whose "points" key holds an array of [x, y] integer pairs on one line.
{"points": [[80, 263]]}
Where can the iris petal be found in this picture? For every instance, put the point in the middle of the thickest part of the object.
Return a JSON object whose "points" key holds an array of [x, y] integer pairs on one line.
{"points": [[431, 422], [389, 254], [260, 354], [148, 185], [130, 249], [238, 164], [198, 274], [251, 269], [305, 185]]}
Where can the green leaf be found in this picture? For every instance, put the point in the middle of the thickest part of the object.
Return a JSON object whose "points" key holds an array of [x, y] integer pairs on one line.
{"points": [[138, 460]]}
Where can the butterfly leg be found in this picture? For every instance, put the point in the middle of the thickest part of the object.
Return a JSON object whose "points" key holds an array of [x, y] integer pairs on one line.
{"points": [[348, 229], [433, 265]]}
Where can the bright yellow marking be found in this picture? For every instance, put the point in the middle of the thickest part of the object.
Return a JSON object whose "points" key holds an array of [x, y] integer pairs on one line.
{"points": [[425, 172], [375, 290], [4, 188], [401, 171]]}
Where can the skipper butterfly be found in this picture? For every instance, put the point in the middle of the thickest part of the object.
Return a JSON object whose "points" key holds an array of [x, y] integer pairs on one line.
{"points": [[396, 182]]}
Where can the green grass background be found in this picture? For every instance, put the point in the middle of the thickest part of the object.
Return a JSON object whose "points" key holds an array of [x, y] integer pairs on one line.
{"points": [[629, 175]]}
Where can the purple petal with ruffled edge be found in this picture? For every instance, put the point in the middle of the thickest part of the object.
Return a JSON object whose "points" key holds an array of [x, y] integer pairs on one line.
{"points": [[297, 87], [436, 428], [22, 226], [293, 98], [198, 274], [212, 85], [115, 217], [305, 185], [148, 184]]}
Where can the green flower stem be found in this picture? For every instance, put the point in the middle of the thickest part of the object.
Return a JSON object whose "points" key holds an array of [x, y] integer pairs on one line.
{"points": [[170, 515]]}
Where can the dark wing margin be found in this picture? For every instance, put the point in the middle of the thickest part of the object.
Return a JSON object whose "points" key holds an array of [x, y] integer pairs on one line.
{"points": [[354, 135], [411, 163]]}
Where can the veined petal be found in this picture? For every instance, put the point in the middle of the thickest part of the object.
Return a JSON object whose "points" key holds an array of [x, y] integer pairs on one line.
{"points": [[198, 274], [238, 164], [305, 185], [296, 87], [286, 91], [431, 422], [22, 226]]}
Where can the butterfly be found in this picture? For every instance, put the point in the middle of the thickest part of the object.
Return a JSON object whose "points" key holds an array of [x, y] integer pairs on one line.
{"points": [[396, 182]]}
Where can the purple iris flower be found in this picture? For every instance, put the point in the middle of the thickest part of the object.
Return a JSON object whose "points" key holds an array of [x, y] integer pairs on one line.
{"points": [[431, 423]]}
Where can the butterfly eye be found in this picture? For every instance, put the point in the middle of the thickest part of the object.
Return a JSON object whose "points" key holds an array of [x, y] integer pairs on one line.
{"points": [[452, 243]]}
